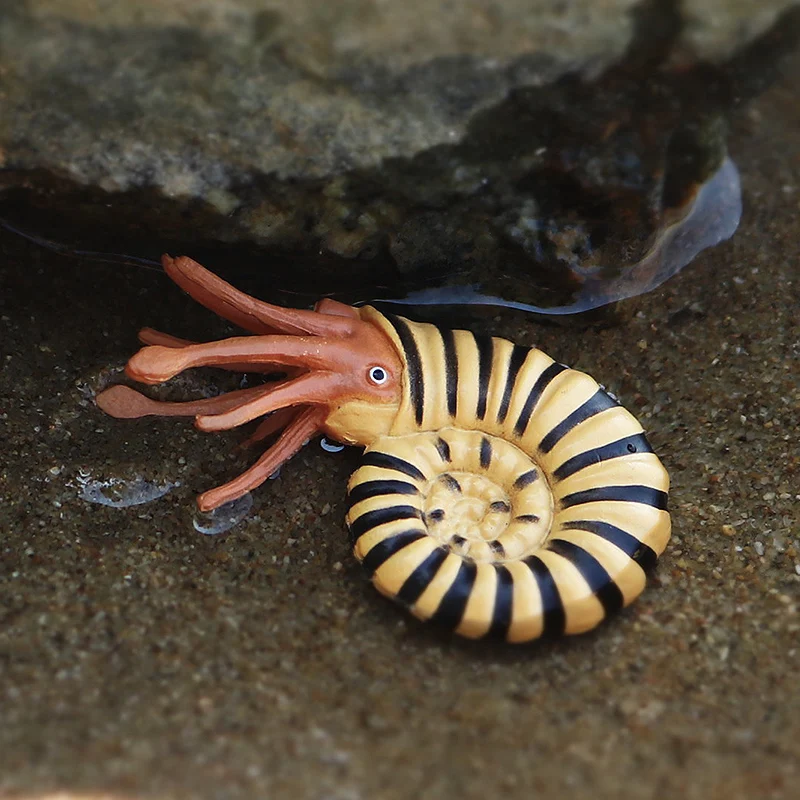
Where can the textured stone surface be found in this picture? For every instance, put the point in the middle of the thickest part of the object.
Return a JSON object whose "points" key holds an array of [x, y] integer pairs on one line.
{"points": [[715, 29], [197, 96], [409, 138]]}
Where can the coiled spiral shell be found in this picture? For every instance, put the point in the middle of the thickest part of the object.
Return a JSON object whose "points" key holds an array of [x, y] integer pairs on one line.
{"points": [[514, 498]]}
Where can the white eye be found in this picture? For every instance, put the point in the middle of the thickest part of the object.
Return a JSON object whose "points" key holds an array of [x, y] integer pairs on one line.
{"points": [[378, 375]]}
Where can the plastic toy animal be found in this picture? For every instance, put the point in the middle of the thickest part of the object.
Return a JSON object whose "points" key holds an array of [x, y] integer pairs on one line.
{"points": [[500, 494]]}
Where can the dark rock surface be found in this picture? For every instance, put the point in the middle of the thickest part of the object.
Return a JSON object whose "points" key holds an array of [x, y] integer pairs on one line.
{"points": [[404, 137]]}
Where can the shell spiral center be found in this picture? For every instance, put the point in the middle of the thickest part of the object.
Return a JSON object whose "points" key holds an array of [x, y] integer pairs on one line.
{"points": [[477, 496], [492, 514]]}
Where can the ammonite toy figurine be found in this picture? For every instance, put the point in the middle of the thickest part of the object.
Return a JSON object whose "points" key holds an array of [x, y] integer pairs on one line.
{"points": [[500, 493]]}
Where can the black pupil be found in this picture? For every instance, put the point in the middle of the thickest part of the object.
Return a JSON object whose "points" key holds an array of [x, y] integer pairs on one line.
{"points": [[378, 374]]}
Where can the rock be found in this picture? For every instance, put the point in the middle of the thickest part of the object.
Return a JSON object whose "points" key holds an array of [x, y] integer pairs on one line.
{"points": [[411, 136], [716, 29], [198, 97]]}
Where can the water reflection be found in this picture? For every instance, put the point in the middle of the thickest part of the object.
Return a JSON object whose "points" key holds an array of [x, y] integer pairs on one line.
{"points": [[709, 216]]}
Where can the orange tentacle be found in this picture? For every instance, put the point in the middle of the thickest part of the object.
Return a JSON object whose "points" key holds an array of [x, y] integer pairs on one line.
{"points": [[151, 336], [291, 440], [123, 402], [276, 421], [315, 387], [156, 364], [245, 311]]}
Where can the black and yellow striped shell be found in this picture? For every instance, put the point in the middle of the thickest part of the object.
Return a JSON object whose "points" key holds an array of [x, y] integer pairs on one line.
{"points": [[512, 498]]}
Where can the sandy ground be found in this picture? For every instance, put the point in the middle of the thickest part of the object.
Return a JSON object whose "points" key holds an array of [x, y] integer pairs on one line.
{"points": [[143, 659]]}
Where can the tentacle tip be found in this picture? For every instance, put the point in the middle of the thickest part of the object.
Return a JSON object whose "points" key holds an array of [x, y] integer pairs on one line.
{"points": [[208, 423], [135, 373], [123, 402], [180, 264], [154, 364], [108, 401], [214, 498], [145, 334], [205, 504]]}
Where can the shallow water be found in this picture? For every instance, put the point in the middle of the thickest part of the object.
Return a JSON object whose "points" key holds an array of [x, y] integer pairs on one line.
{"points": [[710, 216], [142, 658]]}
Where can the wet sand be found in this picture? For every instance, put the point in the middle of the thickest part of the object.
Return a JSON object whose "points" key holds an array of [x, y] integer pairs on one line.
{"points": [[140, 658]]}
